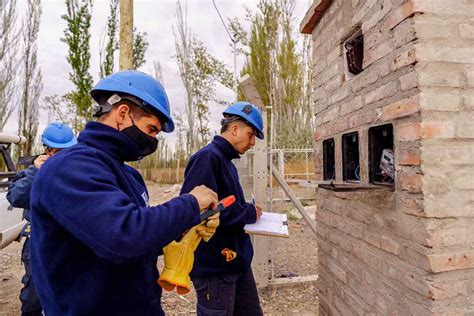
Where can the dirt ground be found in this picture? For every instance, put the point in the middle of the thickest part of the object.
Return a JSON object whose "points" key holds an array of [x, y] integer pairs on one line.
{"points": [[294, 256]]}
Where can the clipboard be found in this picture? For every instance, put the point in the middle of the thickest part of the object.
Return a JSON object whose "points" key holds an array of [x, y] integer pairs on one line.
{"points": [[269, 224]]}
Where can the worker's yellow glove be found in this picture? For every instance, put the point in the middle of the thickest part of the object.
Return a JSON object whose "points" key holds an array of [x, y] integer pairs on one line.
{"points": [[179, 260], [207, 229]]}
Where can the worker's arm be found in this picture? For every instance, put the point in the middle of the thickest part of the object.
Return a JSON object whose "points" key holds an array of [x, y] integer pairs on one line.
{"points": [[20, 187], [204, 168], [85, 199]]}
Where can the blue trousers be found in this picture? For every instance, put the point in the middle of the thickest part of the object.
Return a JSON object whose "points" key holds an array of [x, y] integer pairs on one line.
{"points": [[228, 294], [30, 304]]}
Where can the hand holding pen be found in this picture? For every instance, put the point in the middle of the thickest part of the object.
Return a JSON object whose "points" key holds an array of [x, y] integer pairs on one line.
{"points": [[258, 209]]}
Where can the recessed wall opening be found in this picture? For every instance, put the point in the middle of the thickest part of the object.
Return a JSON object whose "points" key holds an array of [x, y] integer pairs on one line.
{"points": [[350, 157], [354, 54], [329, 160], [381, 157]]}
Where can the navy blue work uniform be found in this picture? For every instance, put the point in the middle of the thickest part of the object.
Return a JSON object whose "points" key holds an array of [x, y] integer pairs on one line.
{"points": [[223, 287], [96, 240], [18, 195]]}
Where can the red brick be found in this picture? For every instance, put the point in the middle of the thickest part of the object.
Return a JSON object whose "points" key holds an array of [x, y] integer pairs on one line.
{"points": [[405, 11], [408, 157], [389, 245], [410, 181], [411, 204], [337, 271], [403, 59], [408, 132], [443, 290], [381, 93], [437, 130], [375, 53], [409, 81], [320, 133], [373, 239], [453, 261], [362, 119], [338, 126], [401, 108]]}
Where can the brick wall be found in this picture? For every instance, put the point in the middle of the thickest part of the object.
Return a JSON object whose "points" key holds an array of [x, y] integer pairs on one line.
{"points": [[410, 250]]}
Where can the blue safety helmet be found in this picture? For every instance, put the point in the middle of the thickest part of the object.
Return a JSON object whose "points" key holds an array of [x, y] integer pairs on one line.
{"points": [[58, 135], [249, 113], [150, 92]]}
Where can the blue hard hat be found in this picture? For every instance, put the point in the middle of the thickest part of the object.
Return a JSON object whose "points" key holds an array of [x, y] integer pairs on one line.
{"points": [[58, 135], [140, 85], [249, 113]]}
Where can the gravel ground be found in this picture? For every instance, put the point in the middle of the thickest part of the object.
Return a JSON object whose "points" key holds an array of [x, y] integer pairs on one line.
{"points": [[294, 256]]}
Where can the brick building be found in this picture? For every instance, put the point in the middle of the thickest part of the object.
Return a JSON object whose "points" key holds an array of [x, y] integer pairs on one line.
{"points": [[394, 76]]}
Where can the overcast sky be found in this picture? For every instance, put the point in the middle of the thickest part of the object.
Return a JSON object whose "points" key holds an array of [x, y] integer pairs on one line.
{"points": [[157, 19]]}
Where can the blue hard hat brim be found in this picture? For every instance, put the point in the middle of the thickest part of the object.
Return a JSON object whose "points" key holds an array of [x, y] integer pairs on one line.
{"points": [[108, 86], [249, 120], [59, 145]]}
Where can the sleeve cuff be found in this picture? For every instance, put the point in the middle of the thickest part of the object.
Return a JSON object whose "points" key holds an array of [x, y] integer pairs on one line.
{"points": [[195, 205], [251, 213]]}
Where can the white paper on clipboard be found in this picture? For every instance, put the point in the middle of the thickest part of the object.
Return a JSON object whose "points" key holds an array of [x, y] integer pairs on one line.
{"points": [[271, 224]]}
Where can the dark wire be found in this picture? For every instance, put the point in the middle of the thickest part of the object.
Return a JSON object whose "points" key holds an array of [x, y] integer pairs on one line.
{"points": [[223, 23]]}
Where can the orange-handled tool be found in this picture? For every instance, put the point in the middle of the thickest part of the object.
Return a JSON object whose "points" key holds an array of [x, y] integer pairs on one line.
{"points": [[226, 202]]}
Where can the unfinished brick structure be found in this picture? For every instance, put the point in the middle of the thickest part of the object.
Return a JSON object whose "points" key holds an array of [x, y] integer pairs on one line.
{"points": [[406, 247]]}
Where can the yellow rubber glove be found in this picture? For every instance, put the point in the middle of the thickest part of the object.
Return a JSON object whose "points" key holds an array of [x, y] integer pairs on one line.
{"points": [[179, 260], [207, 229]]}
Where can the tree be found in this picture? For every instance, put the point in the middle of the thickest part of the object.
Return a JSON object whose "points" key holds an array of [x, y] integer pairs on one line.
{"points": [[280, 72], [60, 108], [140, 45], [107, 64], [77, 37], [32, 79], [8, 59], [200, 72]]}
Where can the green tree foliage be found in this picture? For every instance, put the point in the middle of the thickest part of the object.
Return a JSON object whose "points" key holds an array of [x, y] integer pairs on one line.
{"points": [[140, 45], [278, 69], [77, 37], [32, 79]]}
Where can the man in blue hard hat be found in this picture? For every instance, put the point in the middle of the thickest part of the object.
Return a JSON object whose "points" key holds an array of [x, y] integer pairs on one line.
{"points": [[221, 274], [55, 137], [96, 237]]}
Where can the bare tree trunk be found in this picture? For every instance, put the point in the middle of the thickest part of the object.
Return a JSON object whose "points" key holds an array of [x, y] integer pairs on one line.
{"points": [[32, 79], [183, 56], [126, 34], [8, 59]]}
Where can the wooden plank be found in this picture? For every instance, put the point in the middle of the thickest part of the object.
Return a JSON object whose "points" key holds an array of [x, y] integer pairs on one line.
{"points": [[293, 198], [278, 283]]}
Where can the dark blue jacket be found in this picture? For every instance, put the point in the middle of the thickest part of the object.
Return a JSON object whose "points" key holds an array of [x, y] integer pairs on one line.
{"points": [[213, 167], [95, 240], [19, 190]]}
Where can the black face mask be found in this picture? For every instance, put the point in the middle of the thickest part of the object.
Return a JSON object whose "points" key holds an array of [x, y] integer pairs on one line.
{"points": [[146, 143]]}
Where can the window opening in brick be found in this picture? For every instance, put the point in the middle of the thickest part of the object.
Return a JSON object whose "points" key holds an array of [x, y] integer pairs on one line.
{"points": [[381, 157], [329, 160], [354, 54], [350, 157]]}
